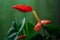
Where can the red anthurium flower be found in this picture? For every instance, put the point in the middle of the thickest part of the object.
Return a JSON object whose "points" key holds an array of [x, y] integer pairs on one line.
{"points": [[22, 36], [38, 26], [45, 21], [23, 8]]}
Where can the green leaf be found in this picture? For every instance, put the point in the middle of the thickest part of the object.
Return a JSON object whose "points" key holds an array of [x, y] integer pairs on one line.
{"points": [[21, 25], [29, 27], [28, 30], [12, 31], [20, 28]]}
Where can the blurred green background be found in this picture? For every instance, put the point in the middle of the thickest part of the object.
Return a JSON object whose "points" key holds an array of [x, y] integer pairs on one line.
{"points": [[46, 9]]}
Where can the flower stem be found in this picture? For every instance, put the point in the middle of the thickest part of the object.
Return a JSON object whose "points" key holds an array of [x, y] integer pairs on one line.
{"points": [[36, 16], [27, 29]]}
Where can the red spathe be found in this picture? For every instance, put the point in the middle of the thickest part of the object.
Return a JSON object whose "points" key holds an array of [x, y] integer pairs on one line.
{"points": [[23, 8]]}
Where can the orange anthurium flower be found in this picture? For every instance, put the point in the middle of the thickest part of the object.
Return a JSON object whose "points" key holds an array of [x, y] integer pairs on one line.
{"points": [[45, 21], [22, 36], [40, 24], [23, 8]]}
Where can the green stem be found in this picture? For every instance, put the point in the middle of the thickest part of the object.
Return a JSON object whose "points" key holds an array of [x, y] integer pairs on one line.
{"points": [[26, 25], [36, 16], [27, 28]]}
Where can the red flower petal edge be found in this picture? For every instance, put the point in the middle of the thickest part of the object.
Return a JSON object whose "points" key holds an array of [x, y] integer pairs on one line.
{"points": [[38, 26], [23, 8], [22, 36], [45, 21]]}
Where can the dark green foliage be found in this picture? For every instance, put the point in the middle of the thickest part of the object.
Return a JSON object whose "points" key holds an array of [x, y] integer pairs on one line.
{"points": [[29, 27], [12, 31], [28, 30], [53, 30], [37, 37], [25, 28]]}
